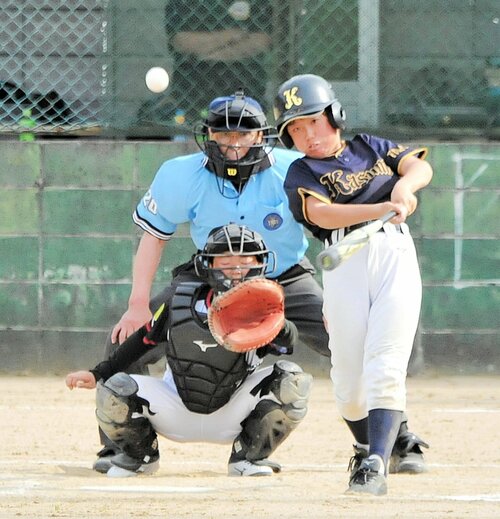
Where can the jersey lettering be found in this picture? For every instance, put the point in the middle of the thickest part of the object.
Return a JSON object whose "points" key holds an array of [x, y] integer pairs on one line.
{"points": [[394, 152], [150, 203], [339, 183], [292, 99]]}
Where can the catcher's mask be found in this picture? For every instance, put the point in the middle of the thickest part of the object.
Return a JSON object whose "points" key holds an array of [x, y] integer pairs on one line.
{"points": [[233, 240], [303, 96], [235, 113]]}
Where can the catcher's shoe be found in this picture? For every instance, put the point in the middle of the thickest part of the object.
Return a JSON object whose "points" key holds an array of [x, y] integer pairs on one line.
{"points": [[369, 478], [103, 462], [252, 468], [124, 466], [407, 456]]}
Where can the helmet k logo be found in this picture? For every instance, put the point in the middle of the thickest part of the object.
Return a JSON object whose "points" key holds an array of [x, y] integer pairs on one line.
{"points": [[291, 97]]}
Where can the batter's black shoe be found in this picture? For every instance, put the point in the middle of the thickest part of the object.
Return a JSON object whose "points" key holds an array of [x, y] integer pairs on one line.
{"points": [[103, 462], [407, 456], [359, 455], [369, 478]]}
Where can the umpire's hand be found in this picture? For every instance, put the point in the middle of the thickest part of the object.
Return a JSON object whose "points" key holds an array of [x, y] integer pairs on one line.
{"points": [[131, 321]]}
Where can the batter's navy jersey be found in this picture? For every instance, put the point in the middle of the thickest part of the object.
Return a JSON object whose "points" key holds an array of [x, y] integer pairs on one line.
{"points": [[363, 171], [184, 190]]}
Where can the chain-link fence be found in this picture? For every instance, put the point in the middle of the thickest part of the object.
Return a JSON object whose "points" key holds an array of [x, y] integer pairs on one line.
{"points": [[77, 66], [52, 65]]}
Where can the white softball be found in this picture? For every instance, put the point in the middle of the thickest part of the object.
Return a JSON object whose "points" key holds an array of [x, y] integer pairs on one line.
{"points": [[239, 10], [157, 79]]}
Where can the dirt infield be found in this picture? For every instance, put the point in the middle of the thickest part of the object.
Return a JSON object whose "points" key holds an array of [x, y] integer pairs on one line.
{"points": [[49, 438]]}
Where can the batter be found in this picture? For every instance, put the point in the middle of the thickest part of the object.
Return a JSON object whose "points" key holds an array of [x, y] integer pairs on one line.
{"points": [[372, 301]]}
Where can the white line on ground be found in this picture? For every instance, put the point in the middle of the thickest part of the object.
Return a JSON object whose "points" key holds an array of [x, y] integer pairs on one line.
{"points": [[4, 407], [478, 497], [149, 489], [466, 410], [475, 498], [83, 464]]}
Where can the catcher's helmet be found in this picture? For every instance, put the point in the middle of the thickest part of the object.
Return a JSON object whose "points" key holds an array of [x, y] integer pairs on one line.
{"points": [[302, 96], [235, 113], [234, 240]]}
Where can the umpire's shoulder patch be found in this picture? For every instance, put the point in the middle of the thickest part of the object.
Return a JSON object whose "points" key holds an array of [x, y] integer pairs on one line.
{"points": [[273, 221]]}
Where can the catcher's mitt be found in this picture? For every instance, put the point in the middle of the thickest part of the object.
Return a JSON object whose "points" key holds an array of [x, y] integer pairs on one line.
{"points": [[248, 316]]}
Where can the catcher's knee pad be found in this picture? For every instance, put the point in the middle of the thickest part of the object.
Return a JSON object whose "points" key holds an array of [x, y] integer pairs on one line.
{"points": [[116, 403], [292, 387], [115, 399]]}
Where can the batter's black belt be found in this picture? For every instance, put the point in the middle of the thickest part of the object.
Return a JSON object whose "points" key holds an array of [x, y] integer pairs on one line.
{"points": [[337, 234]]}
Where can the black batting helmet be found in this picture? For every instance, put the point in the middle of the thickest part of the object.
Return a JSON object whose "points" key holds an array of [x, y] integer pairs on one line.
{"points": [[235, 240], [302, 96], [236, 113]]}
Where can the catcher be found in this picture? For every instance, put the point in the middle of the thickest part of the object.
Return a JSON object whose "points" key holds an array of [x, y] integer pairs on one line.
{"points": [[211, 391]]}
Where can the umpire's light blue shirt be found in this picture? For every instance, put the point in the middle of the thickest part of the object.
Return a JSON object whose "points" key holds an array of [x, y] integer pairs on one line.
{"points": [[184, 190]]}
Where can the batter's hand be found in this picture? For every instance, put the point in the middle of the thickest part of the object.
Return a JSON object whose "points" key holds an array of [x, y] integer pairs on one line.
{"points": [[405, 198], [81, 379], [131, 321], [399, 208]]}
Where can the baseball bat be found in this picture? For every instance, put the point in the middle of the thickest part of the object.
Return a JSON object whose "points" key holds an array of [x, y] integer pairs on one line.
{"points": [[337, 253]]}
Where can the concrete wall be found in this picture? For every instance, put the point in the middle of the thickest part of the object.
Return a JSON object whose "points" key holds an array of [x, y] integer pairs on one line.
{"points": [[67, 242]]}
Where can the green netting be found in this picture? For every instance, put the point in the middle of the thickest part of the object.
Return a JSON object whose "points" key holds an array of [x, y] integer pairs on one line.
{"points": [[78, 66]]}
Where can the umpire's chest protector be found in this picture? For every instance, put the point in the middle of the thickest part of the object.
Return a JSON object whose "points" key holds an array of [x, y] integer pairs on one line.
{"points": [[206, 374]]}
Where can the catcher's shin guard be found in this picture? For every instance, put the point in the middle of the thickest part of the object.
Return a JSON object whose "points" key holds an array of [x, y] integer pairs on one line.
{"points": [[290, 386], [270, 423], [116, 402]]}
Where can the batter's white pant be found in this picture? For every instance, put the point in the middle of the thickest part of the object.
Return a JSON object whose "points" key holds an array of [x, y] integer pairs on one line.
{"points": [[372, 306], [174, 421]]}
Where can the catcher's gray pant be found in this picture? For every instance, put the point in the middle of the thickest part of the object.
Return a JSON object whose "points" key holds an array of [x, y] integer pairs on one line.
{"points": [[303, 306]]}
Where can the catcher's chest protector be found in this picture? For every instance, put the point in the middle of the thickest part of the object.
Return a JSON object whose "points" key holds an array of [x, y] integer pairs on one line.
{"points": [[206, 374]]}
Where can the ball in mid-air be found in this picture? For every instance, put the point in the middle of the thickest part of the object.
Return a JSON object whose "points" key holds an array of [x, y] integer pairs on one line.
{"points": [[157, 79], [239, 10]]}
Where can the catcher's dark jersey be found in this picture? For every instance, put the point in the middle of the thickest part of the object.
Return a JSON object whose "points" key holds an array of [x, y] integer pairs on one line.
{"points": [[364, 171], [205, 374]]}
